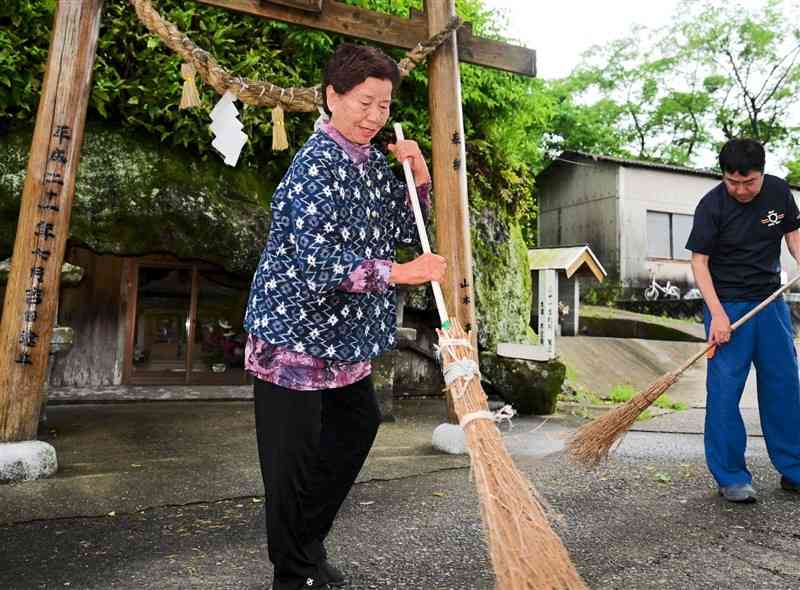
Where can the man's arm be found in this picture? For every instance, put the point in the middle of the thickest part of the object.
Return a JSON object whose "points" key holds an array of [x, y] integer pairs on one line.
{"points": [[793, 243], [720, 329]]}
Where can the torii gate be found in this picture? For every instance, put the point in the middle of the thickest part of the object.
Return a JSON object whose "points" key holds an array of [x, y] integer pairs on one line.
{"points": [[33, 284]]}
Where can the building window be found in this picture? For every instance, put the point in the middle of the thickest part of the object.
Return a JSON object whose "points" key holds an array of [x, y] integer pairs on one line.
{"points": [[667, 234]]}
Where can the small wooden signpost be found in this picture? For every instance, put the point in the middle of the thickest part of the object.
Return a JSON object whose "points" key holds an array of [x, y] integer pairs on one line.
{"points": [[32, 291]]}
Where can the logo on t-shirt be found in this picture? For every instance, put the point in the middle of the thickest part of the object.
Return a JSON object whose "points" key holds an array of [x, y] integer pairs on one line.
{"points": [[773, 218]]}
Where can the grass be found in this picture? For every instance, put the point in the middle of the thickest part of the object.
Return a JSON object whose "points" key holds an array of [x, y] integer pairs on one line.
{"points": [[619, 394]]}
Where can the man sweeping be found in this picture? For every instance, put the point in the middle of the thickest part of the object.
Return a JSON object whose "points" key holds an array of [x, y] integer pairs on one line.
{"points": [[736, 244]]}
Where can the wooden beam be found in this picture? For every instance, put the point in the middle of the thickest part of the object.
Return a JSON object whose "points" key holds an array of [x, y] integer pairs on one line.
{"points": [[495, 54], [307, 5], [395, 31], [32, 292]]}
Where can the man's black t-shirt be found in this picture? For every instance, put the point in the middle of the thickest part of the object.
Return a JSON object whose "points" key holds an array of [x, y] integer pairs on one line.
{"points": [[743, 240]]}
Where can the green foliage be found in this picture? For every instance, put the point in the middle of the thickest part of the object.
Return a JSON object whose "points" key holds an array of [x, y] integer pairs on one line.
{"points": [[662, 477], [24, 34], [137, 84], [605, 293], [585, 397], [667, 403], [720, 70], [793, 176], [619, 394]]}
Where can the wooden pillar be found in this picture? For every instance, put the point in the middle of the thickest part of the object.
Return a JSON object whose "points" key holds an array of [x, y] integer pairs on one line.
{"points": [[32, 291], [450, 175], [450, 170]]}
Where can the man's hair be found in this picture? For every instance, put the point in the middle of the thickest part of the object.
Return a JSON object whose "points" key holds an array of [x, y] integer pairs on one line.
{"points": [[351, 64], [742, 156]]}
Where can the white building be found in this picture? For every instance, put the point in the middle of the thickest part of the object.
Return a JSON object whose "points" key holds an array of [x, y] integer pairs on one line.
{"points": [[636, 216]]}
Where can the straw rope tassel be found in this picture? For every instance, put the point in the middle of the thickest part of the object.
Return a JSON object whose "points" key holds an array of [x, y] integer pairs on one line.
{"points": [[190, 98], [279, 139]]}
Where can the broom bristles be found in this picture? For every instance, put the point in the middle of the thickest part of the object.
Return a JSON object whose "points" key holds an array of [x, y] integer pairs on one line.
{"points": [[592, 442], [525, 551]]}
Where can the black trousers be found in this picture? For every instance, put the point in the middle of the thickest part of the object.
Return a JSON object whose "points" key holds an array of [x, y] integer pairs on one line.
{"points": [[311, 445]]}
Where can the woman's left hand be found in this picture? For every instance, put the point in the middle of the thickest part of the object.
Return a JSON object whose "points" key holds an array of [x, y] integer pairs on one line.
{"points": [[409, 150]]}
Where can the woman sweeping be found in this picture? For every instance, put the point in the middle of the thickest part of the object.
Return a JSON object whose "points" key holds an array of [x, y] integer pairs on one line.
{"points": [[322, 305]]}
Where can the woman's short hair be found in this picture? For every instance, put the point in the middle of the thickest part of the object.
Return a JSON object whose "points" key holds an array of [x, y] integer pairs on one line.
{"points": [[743, 156], [351, 64]]}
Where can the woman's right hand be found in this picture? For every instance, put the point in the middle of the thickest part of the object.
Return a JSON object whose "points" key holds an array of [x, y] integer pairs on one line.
{"points": [[423, 269]]}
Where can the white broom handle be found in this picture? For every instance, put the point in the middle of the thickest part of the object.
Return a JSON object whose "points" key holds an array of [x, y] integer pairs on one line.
{"points": [[423, 234]]}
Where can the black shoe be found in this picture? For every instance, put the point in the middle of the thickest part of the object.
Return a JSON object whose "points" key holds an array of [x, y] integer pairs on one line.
{"points": [[308, 584], [788, 485], [331, 575]]}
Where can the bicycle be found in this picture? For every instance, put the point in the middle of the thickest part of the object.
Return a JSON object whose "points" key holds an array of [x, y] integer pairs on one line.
{"points": [[655, 290]]}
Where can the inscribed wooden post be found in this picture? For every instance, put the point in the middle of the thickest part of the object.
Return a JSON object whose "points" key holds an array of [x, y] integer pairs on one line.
{"points": [[450, 175], [450, 171], [32, 291], [548, 308]]}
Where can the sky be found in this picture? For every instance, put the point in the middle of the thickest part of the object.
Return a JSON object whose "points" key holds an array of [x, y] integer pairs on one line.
{"points": [[561, 31]]}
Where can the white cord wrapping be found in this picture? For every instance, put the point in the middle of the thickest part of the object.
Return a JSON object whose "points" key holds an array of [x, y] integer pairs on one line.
{"points": [[445, 342], [461, 369], [504, 414]]}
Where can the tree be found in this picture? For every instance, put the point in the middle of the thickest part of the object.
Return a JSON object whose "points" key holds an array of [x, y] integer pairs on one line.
{"points": [[137, 85], [751, 59], [718, 71]]}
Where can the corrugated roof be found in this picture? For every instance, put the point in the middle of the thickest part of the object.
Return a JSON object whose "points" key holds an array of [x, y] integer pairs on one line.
{"points": [[571, 157], [576, 157]]}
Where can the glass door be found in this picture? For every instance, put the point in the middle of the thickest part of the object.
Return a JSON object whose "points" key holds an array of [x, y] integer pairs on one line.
{"points": [[219, 338], [162, 324], [187, 326]]}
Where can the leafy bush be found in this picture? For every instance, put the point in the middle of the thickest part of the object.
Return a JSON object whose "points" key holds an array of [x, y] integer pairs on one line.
{"points": [[137, 84]]}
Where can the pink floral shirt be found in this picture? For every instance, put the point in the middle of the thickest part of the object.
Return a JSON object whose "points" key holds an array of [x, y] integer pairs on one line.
{"points": [[294, 370]]}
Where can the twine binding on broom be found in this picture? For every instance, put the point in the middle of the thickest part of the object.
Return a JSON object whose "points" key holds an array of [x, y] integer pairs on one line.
{"points": [[525, 551], [504, 414]]}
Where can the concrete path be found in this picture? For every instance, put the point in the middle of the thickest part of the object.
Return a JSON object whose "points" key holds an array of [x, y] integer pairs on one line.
{"points": [[167, 496]]}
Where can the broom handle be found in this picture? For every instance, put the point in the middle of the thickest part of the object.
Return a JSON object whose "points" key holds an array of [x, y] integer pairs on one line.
{"points": [[742, 320], [423, 234]]}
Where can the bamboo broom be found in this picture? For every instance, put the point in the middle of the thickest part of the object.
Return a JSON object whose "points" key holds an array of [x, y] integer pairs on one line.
{"points": [[525, 551], [593, 441]]}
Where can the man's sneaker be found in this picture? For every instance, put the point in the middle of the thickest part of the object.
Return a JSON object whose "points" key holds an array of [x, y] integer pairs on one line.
{"points": [[788, 485], [307, 584], [331, 574], [742, 493]]}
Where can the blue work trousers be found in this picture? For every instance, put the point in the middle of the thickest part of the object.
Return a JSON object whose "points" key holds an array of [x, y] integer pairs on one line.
{"points": [[766, 341]]}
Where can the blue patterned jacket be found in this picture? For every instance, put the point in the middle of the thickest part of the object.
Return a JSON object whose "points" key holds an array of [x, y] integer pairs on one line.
{"points": [[328, 215]]}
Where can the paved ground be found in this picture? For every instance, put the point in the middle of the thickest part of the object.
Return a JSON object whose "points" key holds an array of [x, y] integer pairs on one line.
{"points": [[166, 495]]}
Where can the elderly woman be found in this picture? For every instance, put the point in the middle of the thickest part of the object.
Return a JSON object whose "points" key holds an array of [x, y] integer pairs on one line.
{"points": [[322, 305]]}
